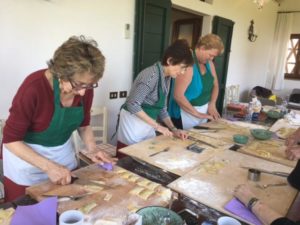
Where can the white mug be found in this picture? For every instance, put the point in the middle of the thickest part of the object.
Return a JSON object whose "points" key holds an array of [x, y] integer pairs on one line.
{"points": [[71, 217], [227, 220]]}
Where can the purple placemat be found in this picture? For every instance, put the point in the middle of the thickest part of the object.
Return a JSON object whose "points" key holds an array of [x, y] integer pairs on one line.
{"points": [[239, 209], [42, 213]]}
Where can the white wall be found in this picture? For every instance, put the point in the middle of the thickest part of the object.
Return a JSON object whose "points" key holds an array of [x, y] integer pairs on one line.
{"points": [[31, 30]]}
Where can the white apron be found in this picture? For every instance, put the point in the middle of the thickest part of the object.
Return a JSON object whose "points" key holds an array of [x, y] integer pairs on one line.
{"points": [[189, 121], [132, 129], [23, 173]]}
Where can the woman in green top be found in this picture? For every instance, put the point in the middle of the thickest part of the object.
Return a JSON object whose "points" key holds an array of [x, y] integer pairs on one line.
{"points": [[194, 95]]}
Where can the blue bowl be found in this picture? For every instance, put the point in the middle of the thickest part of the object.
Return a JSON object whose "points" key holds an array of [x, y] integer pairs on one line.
{"points": [[274, 114], [261, 134], [155, 215], [240, 139]]}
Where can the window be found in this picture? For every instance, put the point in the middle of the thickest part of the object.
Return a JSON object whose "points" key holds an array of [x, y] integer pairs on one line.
{"points": [[292, 66]]}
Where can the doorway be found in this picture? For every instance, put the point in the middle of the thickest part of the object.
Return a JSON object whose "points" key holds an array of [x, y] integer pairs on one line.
{"points": [[187, 26]]}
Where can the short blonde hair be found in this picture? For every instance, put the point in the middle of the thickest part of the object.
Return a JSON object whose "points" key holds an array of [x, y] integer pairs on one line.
{"points": [[211, 41], [77, 55]]}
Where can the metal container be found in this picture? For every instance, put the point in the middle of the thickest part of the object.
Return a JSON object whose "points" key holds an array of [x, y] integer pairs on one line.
{"points": [[253, 175]]}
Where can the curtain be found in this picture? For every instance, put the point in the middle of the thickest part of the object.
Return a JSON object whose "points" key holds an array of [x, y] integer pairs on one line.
{"points": [[283, 29]]}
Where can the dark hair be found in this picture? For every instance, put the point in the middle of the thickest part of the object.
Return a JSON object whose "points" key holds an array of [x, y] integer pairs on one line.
{"points": [[77, 55], [178, 52], [261, 92]]}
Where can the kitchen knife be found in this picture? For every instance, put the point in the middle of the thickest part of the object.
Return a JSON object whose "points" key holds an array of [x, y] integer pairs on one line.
{"points": [[200, 141], [276, 173], [72, 197], [207, 128]]}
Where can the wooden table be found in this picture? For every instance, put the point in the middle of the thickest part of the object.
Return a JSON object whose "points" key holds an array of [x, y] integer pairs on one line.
{"points": [[213, 172], [120, 192], [210, 173], [177, 159], [214, 180], [271, 150]]}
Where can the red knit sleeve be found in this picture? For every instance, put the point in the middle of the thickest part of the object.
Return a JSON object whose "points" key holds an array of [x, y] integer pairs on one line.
{"points": [[32, 109]]}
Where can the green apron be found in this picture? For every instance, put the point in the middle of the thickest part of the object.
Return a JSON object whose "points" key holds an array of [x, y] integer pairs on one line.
{"points": [[154, 110], [63, 123]]}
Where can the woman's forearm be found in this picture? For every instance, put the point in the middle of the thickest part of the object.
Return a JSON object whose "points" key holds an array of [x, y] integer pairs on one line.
{"points": [[265, 213], [147, 119], [87, 135], [27, 154], [168, 122]]}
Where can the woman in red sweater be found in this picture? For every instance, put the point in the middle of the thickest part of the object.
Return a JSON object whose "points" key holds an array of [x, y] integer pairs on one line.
{"points": [[49, 105]]}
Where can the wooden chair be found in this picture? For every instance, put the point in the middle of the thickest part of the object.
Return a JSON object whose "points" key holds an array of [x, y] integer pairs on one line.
{"points": [[232, 94]]}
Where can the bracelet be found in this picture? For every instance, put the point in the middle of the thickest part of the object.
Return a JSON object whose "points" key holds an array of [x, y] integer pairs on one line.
{"points": [[251, 203], [173, 128]]}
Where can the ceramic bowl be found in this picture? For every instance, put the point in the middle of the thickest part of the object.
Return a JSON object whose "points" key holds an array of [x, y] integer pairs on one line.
{"points": [[261, 134], [155, 215], [240, 139], [274, 114]]}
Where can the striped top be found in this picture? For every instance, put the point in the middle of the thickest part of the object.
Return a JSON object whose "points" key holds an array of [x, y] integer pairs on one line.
{"points": [[145, 90]]}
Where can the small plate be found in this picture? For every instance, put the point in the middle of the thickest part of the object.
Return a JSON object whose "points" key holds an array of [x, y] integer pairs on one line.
{"points": [[155, 215], [261, 134]]}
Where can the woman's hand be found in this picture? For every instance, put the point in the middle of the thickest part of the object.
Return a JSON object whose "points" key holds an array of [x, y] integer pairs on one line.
{"points": [[59, 174], [209, 117], [165, 131], [293, 153], [291, 140], [180, 134], [212, 111], [102, 157], [243, 193]]}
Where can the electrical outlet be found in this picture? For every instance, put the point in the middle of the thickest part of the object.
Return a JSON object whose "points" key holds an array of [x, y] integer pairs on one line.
{"points": [[113, 95], [123, 94]]}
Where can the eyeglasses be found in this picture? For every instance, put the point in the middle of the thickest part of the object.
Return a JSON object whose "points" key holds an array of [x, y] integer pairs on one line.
{"points": [[78, 87]]}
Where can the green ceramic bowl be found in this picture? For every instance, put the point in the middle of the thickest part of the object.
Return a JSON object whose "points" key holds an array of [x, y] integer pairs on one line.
{"points": [[261, 134], [155, 215], [274, 114], [240, 139]]}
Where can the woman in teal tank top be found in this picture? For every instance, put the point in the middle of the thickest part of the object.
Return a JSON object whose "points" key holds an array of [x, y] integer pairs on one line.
{"points": [[193, 96]]}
